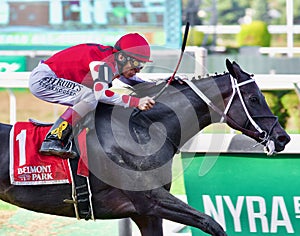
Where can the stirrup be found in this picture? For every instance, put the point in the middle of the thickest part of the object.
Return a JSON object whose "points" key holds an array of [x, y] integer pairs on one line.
{"points": [[64, 153]]}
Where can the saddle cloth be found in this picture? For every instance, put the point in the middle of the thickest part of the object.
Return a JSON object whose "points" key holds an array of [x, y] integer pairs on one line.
{"points": [[27, 165]]}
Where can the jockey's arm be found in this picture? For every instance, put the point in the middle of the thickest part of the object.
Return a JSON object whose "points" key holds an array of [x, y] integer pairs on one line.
{"points": [[102, 78], [103, 94]]}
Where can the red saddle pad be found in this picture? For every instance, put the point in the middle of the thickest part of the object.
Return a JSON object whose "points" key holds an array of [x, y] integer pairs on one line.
{"points": [[27, 165]]}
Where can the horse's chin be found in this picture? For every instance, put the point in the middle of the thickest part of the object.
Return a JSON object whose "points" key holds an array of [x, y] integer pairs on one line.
{"points": [[279, 148]]}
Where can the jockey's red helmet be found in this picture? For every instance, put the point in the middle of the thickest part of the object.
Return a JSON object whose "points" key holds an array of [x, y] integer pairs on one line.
{"points": [[134, 45]]}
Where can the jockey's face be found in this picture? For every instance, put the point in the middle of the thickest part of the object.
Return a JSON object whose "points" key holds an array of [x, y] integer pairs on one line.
{"points": [[131, 67], [129, 71]]}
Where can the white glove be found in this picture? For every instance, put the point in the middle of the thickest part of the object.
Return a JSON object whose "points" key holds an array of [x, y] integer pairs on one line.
{"points": [[146, 103]]}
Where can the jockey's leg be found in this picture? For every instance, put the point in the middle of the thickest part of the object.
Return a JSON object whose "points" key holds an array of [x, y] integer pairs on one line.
{"points": [[59, 137]]}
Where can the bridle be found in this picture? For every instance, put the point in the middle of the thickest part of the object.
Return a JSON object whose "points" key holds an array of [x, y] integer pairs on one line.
{"points": [[259, 134]]}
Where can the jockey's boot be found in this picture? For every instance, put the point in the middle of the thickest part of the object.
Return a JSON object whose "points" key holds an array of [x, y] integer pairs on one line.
{"points": [[58, 141]]}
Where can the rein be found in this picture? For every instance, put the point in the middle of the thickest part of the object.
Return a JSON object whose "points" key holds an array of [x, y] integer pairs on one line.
{"points": [[259, 134]]}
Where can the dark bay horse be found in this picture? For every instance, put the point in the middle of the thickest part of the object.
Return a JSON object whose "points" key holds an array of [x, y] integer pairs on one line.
{"points": [[131, 152]]}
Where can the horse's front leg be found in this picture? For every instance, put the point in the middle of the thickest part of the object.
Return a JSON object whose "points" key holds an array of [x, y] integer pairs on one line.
{"points": [[162, 204], [171, 208], [149, 226]]}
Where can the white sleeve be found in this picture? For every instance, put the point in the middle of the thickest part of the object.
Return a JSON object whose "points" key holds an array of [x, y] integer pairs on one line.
{"points": [[103, 94]]}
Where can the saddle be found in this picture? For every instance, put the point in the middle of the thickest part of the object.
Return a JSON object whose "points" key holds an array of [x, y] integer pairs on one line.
{"points": [[29, 167]]}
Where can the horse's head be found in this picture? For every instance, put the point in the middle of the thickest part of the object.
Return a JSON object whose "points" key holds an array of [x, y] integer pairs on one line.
{"points": [[247, 106]]}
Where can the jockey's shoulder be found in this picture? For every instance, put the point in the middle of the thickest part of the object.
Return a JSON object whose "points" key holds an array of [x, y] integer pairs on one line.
{"points": [[121, 87]]}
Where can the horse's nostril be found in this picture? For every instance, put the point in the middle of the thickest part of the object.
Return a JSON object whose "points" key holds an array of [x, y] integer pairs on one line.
{"points": [[284, 139]]}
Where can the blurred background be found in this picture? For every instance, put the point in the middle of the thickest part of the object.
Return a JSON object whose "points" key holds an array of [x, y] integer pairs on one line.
{"points": [[262, 35]]}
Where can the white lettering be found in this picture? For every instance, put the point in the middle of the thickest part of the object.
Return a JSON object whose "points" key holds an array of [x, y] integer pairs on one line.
{"points": [[279, 204], [43, 176], [210, 210], [21, 137], [260, 214], [34, 169], [235, 211], [6, 67], [36, 177], [256, 210], [297, 205]]}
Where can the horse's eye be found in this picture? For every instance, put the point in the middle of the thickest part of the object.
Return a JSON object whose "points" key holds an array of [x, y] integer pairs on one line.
{"points": [[254, 99]]}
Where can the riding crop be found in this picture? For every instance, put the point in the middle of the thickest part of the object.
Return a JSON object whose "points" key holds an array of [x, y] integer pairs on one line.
{"points": [[186, 31]]}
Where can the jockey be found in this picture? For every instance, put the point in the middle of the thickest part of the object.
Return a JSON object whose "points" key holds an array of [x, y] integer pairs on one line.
{"points": [[65, 78]]}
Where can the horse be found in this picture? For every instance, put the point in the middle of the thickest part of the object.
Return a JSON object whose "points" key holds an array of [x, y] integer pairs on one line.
{"points": [[130, 151]]}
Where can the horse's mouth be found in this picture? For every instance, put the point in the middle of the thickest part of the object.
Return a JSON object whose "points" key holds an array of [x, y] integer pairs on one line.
{"points": [[274, 146], [269, 148]]}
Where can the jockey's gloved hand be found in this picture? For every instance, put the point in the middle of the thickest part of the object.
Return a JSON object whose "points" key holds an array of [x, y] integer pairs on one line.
{"points": [[146, 103], [179, 78]]}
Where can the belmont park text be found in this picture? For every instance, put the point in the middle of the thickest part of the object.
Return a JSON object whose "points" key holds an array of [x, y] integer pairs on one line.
{"points": [[254, 209], [37, 172]]}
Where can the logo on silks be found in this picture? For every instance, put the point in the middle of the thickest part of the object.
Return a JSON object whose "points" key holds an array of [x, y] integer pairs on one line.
{"points": [[61, 85], [9, 67]]}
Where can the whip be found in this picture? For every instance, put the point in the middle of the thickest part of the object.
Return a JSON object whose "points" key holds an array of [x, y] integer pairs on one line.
{"points": [[186, 31]]}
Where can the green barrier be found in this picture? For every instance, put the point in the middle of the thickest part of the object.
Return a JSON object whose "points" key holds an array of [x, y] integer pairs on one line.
{"points": [[12, 63], [248, 194]]}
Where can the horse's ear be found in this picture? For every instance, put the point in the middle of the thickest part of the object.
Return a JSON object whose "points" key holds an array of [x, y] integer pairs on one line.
{"points": [[230, 68], [237, 70]]}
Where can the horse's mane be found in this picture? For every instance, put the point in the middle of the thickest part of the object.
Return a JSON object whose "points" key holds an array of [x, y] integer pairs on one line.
{"points": [[152, 88], [148, 88]]}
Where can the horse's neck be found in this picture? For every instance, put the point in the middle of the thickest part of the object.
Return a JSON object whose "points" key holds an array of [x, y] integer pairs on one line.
{"points": [[195, 112], [181, 110], [217, 89], [187, 115]]}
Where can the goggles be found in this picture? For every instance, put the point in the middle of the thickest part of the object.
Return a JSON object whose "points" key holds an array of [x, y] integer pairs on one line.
{"points": [[135, 63]]}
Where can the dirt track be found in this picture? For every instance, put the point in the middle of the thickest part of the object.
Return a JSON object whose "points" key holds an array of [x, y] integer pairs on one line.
{"points": [[27, 223]]}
